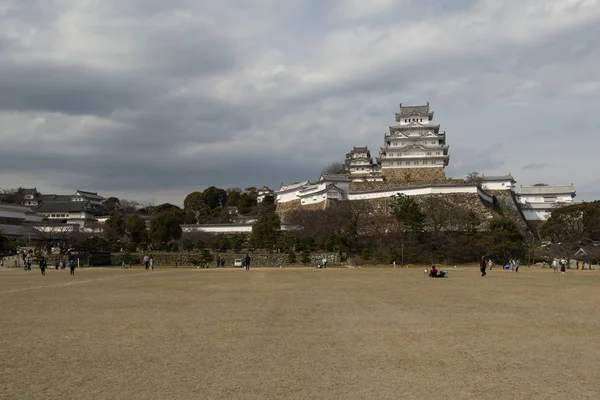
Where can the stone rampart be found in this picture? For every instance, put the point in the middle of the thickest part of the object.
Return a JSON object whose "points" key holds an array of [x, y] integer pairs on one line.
{"points": [[410, 175], [258, 259]]}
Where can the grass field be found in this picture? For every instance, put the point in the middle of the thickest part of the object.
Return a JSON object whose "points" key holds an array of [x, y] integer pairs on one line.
{"points": [[299, 334]]}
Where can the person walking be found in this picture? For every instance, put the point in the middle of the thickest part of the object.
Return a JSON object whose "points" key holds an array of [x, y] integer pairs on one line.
{"points": [[218, 261], [563, 265], [555, 265], [72, 267], [152, 263], [482, 266], [146, 261], [490, 264], [43, 265], [517, 264], [247, 262]]}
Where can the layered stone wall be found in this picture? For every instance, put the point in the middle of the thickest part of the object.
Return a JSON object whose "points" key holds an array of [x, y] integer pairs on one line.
{"points": [[366, 186], [258, 259], [469, 201], [411, 175], [510, 209]]}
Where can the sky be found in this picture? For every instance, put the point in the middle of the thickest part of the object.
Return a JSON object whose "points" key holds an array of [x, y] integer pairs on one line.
{"points": [[151, 100]]}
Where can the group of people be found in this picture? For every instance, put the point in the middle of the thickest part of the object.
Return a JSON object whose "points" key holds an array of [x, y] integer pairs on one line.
{"points": [[44, 265], [220, 261], [513, 265], [562, 264], [148, 262], [434, 273]]}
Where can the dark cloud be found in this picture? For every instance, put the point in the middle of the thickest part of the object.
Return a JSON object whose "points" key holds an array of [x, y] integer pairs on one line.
{"points": [[191, 94], [70, 89]]}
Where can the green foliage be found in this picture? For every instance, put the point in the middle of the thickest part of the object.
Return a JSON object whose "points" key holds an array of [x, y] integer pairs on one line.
{"points": [[112, 204], [214, 197], [135, 227], [233, 199], [366, 254], [573, 226], [165, 207], [4, 244], [266, 231], [245, 203], [93, 244], [206, 256], [407, 213], [291, 257], [187, 244], [506, 241], [305, 258], [237, 242], [165, 226], [114, 227]]}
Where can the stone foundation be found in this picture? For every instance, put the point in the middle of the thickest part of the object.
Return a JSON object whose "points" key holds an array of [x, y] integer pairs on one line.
{"points": [[412, 175], [258, 259]]}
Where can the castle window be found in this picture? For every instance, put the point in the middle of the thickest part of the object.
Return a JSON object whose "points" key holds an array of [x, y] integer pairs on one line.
{"points": [[437, 153]]}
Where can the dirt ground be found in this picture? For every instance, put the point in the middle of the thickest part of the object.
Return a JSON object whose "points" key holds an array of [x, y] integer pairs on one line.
{"points": [[299, 334]]}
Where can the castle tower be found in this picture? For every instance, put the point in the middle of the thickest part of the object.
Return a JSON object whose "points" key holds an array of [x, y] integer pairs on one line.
{"points": [[414, 150]]}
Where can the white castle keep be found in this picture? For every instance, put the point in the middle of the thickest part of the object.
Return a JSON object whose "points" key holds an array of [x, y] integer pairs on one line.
{"points": [[412, 162]]}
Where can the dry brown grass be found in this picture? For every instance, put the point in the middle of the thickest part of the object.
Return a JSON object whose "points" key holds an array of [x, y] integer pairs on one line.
{"points": [[299, 334]]}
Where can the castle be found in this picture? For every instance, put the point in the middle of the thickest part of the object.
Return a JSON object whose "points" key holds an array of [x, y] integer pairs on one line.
{"points": [[412, 162]]}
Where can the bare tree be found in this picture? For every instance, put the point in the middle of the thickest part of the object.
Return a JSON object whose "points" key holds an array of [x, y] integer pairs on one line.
{"points": [[128, 206], [474, 177], [12, 196], [335, 168]]}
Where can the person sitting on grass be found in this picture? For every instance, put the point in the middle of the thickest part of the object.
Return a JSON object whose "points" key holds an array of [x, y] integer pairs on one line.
{"points": [[433, 272]]}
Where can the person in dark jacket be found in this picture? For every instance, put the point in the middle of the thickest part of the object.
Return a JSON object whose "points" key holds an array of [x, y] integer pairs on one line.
{"points": [[247, 262], [482, 266], [43, 265], [72, 267]]}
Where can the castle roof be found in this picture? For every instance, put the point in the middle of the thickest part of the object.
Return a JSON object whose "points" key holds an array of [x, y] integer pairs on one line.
{"points": [[62, 206], [497, 178], [537, 190], [334, 178], [292, 186]]}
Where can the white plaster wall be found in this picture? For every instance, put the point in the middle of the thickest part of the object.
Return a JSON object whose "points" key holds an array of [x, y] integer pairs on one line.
{"points": [[499, 185], [536, 215], [289, 196], [413, 192]]}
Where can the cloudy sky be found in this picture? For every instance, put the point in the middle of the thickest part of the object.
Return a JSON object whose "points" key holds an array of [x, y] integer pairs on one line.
{"points": [[152, 99]]}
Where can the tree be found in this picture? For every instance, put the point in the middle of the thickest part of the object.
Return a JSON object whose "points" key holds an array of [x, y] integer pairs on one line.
{"points": [[267, 205], [407, 213], [166, 226], [114, 228], [245, 203], [128, 206], [573, 226], [506, 241], [214, 197], [12, 196], [474, 177], [265, 231], [165, 207], [112, 204], [194, 203], [233, 199], [135, 227], [335, 168]]}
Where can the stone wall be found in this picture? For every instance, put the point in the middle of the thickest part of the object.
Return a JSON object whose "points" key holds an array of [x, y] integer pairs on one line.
{"points": [[258, 259], [283, 208], [410, 175], [510, 209], [471, 201]]}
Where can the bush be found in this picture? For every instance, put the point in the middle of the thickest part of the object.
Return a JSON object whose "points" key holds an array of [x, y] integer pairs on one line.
{"points": [[305, 259], [292, 257]]}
